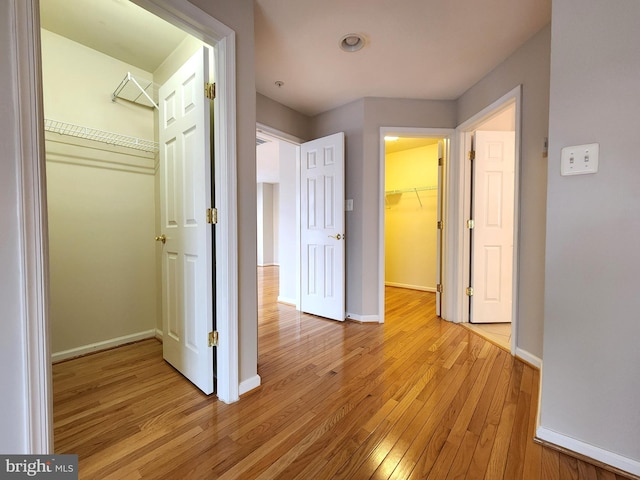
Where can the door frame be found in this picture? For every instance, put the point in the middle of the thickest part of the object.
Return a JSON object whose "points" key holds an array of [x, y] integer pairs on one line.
{"points": [[447, 133], [32, 203], [281, 136], [461, 209]]}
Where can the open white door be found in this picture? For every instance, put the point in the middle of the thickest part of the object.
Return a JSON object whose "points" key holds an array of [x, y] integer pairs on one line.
{"points": [[493, 233], [440, 231], [322, 241], [185, 194]]}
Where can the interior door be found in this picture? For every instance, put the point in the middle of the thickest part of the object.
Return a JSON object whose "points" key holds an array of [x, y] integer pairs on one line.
{"points": [[492, 234], [440, 230], [185, 194], [322, 240]]}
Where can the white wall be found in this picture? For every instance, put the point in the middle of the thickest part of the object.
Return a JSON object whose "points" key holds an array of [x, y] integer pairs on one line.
{"points": [[266, 224], [287, 215], [78, 83], [410, 218], [590, 383], [282, 118], [529, 67], [101, 204]]}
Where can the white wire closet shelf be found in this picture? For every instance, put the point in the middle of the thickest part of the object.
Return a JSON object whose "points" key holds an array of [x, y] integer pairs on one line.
{"points": [[410, 190], [94, 134], [136, 91]]}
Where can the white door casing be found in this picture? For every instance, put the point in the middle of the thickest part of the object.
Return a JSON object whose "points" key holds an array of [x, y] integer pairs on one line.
{"points": [[493, 231], [440, 218], [185, 193], [322, 242]]}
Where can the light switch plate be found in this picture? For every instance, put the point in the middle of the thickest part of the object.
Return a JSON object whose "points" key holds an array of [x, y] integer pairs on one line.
{"points": [[349, 204], [579, 159]]}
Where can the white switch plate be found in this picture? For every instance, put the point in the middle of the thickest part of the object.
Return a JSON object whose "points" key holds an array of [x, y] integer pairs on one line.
{"points": [[579, 159], [348, 204]]}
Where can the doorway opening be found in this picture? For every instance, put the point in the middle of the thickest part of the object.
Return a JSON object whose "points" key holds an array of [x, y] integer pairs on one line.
{"points": [[413, 185], [106, 194], [192, 20], [278, 211], [489, 161]]}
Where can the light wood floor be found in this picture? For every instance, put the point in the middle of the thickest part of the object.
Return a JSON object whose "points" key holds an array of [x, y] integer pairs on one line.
{"points": [[414, 398]]}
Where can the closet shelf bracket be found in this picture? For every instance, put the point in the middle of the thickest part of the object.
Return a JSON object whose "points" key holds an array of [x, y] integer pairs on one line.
{"points": [[135, 91]]}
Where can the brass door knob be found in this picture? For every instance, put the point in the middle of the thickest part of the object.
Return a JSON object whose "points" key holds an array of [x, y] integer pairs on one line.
{"points": [[337, 237], [161, 238]]}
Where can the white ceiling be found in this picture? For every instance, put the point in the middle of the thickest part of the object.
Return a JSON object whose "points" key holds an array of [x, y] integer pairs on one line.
{"points": [[117, 28], [427, 49]]}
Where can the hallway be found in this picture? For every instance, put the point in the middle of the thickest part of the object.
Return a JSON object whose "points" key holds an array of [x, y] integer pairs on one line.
{"points": [[417, 397]]}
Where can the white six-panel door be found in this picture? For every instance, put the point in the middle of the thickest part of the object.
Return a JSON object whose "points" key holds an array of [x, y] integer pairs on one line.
{"points": [[322, 240], [493, 235], [185, 184]]}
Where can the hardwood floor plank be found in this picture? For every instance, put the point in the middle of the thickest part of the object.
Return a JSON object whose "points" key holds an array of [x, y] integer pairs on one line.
{"points": [[550, 464], [415, 397]]}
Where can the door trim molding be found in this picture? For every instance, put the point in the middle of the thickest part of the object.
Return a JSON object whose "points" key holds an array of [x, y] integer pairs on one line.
{"points": [[447, 133], [460, 208], [32, 207]]}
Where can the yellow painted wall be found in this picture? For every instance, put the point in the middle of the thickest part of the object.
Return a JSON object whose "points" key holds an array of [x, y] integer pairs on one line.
{"points": [[410, 228], [100, 204]]}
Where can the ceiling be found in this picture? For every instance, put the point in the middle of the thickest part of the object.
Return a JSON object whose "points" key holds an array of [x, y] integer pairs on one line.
{"points": [[117, 28], [426, 49]]}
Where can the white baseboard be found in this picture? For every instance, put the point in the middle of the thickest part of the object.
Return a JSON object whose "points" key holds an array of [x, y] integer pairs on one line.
{"points": [[618, 461], [249, 384], [104, 345], [410, 287], [530, 358], [159, 334], [363, 318], [288, 301]]}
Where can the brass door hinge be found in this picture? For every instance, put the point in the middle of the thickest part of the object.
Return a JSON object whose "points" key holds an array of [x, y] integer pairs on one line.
{"points": [[213, 339], [470, 224], [210, 90], [212, 215], [439, 225], [439, 288], [472, 154], [469, 291], [440, 161]]}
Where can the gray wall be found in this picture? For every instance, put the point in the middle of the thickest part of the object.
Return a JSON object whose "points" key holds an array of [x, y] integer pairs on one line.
{"points": [[282, 118], [387, 112], [361, 121], [590, 384], [529, 67]]}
